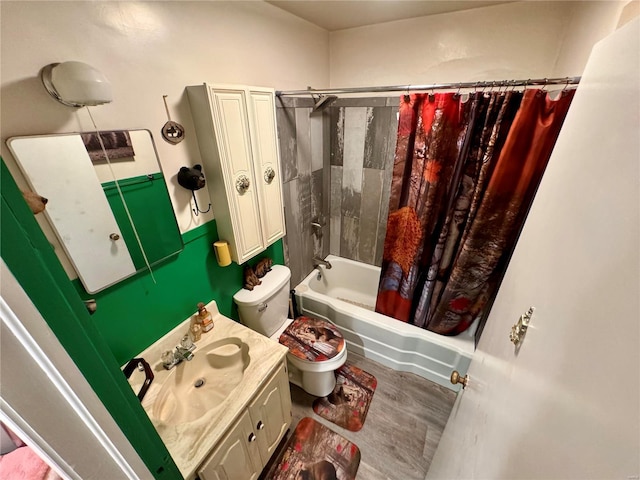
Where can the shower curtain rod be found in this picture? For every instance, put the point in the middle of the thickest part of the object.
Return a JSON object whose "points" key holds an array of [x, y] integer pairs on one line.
{"points": [[436, 86]]}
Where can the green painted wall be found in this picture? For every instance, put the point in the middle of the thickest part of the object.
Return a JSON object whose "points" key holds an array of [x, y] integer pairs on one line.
{"points": [[130, 315], [32, 261], [136, 312]]}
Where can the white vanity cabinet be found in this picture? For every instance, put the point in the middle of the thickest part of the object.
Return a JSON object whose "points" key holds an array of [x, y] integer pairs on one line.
{"points": [[247, 447], [237, 136]]}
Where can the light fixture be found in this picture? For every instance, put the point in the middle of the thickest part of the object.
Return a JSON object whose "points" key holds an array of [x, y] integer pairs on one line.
{"points": [[76, 84]]}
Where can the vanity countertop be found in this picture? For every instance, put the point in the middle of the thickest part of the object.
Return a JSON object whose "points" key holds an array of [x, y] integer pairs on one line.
{"points": [[190, 443]]}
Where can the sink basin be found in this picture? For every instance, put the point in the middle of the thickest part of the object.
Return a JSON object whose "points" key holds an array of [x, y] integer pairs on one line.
{"points": [[195, 387]]}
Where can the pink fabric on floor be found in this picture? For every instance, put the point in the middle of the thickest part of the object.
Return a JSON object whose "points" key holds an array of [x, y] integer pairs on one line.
{"points": [[24, 464]]}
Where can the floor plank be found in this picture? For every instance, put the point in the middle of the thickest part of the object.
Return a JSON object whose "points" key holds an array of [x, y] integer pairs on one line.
{"points": [[403, 426]]}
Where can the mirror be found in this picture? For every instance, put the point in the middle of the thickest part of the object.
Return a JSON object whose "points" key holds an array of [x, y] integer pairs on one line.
{"points": [[105, 239]]}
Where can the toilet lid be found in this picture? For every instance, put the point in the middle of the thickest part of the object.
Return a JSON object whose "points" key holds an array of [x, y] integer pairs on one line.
{"points": [[312, 339]]}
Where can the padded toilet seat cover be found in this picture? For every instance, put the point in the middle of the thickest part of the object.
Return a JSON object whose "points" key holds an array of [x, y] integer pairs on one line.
{"points": [[312, 340]]}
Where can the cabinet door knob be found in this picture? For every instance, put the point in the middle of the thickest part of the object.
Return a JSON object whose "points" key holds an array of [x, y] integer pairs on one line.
{"points": [[269, 175], [242, 183], [252, 437], [114, 237], [260, 425]]}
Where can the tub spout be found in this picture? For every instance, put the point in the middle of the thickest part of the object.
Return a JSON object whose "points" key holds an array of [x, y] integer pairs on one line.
{"points": [[318, 261]]}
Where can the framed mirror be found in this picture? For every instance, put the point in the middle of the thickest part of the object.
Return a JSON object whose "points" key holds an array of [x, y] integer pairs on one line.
{"points": [[112, 218]]}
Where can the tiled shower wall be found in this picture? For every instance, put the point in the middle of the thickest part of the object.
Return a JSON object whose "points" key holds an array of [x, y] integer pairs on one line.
{"points": [[336, 167], [362, 141], [304, 154]]}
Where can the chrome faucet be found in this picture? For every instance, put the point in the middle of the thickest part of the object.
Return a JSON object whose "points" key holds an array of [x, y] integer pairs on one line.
{"points": [[318, 261], [184, 351]]}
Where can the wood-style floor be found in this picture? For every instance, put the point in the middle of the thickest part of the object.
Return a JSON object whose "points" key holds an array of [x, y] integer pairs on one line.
{"points": [[403, 426]]}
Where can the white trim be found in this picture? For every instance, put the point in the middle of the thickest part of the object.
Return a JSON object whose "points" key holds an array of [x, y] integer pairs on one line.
{"points": [[17, 328], [72, 406]]}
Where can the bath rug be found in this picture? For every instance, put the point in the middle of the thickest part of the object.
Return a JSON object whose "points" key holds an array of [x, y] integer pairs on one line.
{"points": [[316, 452], [348, 404]]}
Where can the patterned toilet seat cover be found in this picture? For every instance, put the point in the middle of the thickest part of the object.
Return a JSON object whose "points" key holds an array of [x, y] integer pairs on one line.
{"points": [[312, 339]]}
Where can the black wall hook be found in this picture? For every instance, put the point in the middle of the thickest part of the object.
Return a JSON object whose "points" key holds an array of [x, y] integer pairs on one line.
{"points": [[193, 179]]}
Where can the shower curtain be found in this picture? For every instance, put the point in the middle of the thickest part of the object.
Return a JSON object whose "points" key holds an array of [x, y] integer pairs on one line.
{"points": [[464, 176]]}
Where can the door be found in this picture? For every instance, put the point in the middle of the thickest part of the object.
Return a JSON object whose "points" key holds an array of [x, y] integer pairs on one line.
{"points": [[565, 404]]}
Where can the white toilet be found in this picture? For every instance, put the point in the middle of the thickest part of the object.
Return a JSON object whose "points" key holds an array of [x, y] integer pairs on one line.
{"points": [[316, 347]]}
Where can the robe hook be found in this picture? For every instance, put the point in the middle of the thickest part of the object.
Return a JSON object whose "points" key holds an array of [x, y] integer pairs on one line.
{"points": [[193, 179], [197, 210]]}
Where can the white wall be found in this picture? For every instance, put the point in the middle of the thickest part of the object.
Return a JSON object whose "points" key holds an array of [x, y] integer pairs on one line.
{"points": [[590, 22], [511, 41], [147, 50]]}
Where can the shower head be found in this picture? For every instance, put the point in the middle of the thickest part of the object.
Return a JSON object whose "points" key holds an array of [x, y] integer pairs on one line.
{"points": [[323, 102]]}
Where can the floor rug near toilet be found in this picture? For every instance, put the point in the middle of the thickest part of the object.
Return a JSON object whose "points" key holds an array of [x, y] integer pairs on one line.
{"points": [[316, 452], [348, 404]]}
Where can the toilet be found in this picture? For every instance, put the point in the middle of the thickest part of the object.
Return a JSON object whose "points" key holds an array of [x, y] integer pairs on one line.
{"points": [[316, 347]]}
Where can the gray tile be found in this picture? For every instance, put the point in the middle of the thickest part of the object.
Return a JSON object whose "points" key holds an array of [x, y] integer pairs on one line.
{"points": [[381, 233], [360, 102], [350, 230], [293, 219], [335, 202], [392, 137], [355, 124], [393, 101], [335, 234], [316, 142], [351, 201], [304, 200], [336, 135], [387, 176], [304, 102], [317, 195], [303, 141], [285, 102], [376, 141], [286, 123], [370, 210]]}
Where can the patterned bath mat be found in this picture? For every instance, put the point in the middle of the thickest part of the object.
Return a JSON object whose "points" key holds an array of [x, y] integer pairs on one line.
{"points": [[316, 452], [348, 404]]}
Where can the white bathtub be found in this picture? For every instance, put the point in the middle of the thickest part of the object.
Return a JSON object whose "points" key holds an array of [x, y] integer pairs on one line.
{"points": [[346, 296]]}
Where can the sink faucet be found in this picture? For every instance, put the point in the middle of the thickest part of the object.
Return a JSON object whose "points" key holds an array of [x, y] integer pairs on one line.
{"points": [[318, 261], [184, 351]]}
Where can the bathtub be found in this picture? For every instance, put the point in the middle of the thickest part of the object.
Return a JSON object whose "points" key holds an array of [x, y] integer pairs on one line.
{"points": [[346, 296]]}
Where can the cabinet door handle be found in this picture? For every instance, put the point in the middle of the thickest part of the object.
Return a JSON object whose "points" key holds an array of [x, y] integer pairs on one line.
{"points": [[260, 425], [252, 437], [269, 175], [242, 183]]}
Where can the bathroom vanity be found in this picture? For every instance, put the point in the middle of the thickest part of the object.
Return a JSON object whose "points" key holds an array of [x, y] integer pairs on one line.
{"points": [[222, 414]]}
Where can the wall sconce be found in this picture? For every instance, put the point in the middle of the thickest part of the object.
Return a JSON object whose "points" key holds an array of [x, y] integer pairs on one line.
{"points": [[76, 84]]}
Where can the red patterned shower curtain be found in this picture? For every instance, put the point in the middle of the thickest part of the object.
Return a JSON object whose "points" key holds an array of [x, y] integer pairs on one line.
{"points": [[464, 176]]}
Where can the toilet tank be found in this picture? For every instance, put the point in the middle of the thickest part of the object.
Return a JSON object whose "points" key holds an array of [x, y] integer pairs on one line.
{"points": [[264, 309]]}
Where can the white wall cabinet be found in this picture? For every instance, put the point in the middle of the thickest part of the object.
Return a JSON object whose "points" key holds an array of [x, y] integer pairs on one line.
{"points": [[237, 136], [247, 447]]}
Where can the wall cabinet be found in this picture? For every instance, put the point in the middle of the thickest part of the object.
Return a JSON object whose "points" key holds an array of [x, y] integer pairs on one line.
{"points": [[237, 136], [247, 447]]}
